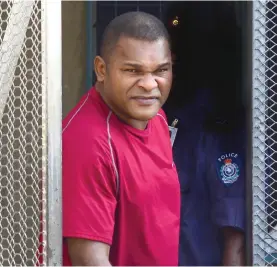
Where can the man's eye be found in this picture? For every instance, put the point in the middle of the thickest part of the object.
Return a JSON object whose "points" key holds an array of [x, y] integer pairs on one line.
{"points": [[131, 70], [162, 70]]}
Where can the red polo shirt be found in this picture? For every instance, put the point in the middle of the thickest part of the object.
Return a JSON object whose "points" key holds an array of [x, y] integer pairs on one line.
{"points": [[120, 185]]}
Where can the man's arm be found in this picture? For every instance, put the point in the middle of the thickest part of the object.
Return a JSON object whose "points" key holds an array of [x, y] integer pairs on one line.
{"points": [[89, 202], [226, 182], [234, 248], [85, 252]]}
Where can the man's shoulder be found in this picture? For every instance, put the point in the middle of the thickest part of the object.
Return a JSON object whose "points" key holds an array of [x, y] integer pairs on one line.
{"points": [[161, 117], [226, 142], [85, 124], [89, 110], [160, 124]]}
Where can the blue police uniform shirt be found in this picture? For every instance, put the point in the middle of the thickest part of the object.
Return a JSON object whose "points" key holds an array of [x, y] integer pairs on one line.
{"points": [[212, 179]]}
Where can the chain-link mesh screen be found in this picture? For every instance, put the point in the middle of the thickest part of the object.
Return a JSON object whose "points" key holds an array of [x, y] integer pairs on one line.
{"points": [[21, 142], [265, 133]]}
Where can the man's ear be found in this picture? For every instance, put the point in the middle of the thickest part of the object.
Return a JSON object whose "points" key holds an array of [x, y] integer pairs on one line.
{"points": [[100, 68]]}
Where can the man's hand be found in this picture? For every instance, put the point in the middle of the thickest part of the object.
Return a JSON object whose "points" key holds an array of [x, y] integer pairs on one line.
{"points": [[85, 252], [234, 249]]}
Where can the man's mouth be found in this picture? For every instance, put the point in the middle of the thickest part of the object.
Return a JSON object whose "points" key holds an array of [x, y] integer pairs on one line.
{"points": [[146, 101]]}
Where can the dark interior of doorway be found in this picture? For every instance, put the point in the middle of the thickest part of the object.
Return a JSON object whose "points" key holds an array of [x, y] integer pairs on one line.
{"points": [[207, 46]]}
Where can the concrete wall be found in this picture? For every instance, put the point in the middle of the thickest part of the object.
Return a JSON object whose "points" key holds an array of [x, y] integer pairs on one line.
{"points": [[73, 52]]}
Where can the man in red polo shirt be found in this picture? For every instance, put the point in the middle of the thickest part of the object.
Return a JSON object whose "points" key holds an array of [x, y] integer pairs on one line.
{"points": [[121, 195]]}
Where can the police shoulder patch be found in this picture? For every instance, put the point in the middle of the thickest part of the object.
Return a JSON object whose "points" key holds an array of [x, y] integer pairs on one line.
{"points": [[228, 168]]}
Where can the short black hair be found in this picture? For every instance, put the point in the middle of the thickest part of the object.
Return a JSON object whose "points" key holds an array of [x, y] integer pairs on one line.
{"points": [[138, 25]]}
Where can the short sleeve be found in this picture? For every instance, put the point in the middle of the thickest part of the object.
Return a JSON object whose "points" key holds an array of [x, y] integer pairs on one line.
{"points": [[89, 190], [226, 180]]}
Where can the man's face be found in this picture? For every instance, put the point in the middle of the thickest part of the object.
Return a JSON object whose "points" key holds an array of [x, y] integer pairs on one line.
{"points": [[137, 78]]}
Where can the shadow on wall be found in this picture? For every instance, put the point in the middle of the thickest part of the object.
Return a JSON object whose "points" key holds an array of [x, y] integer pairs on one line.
{"points": [[73, 53]]}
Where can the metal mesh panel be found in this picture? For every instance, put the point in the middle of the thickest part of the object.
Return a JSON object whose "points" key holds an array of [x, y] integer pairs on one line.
{"points": [[264, 133], [21, 134]]}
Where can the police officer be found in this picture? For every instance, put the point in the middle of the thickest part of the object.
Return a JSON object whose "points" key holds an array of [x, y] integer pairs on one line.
{"points": [[209, 154], [209, 147]]}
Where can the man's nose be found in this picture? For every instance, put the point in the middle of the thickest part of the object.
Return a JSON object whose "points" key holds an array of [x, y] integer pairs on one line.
{"points": [[148, 82]]}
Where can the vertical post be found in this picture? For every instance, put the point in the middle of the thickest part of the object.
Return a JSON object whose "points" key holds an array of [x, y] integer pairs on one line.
{"points": [[52, 86], [259, 132], [247, 68]]}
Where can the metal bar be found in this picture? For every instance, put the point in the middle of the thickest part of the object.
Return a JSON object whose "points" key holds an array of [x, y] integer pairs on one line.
{"points": [[259, 130], [246, 22], [11, 46], [52, 60]]}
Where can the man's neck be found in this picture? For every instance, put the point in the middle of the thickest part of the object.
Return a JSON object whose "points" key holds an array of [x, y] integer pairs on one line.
{"points": [[140, 125]]}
